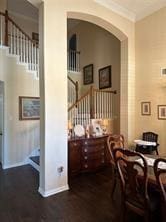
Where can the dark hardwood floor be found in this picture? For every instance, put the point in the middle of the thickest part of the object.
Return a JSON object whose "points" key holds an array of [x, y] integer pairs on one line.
{"points": [[87, 201]]}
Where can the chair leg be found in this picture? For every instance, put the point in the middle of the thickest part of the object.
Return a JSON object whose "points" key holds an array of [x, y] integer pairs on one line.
{"points": [[157, 151], [114, 183]]}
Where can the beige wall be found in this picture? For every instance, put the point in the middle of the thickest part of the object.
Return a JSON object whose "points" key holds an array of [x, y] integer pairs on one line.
{"points": [[101, 48], [150, 85], [3, 5], [53, 71], [20, 137]]}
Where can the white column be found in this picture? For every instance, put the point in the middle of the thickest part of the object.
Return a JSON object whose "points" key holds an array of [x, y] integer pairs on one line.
{"points": [[53, 93]]}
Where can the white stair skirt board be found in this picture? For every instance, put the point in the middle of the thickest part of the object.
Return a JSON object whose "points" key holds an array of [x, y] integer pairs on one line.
{"points": [[52, 192], [34, 165]]}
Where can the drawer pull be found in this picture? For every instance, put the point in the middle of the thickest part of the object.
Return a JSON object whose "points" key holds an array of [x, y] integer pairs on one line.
{"points": [[85, 150], [102, 161], [86, 166], [74, 144], [85, 142], [102, 153], [85, 157]]}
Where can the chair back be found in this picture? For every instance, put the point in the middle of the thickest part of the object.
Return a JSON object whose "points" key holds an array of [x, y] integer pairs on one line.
{"points": [[114, 141], [150, 136], [134, 186], [160, 174]]}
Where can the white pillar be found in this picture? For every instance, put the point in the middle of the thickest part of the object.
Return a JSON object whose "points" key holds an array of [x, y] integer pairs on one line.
{"points": [[53, 93]]}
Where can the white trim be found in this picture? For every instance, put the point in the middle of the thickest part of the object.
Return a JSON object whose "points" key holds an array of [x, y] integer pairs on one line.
{"points": [[7, 166], [117, 9], [34, 165], [150, 10], [134, 17], [20, 16], [53, 191]]}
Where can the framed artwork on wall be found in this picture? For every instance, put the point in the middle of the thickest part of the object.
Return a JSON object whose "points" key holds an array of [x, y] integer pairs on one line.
{"points": [[88, 74], [105, 77], [162, 112], [145, 108], [29, 108]]}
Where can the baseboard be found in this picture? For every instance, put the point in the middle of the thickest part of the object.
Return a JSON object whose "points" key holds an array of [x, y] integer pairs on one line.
{"points": [[33, 164], [7, 166], [53, 192]]}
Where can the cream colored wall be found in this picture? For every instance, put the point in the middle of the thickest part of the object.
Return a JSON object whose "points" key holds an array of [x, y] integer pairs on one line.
{"points": [[100, 48], [53, 71], [3, 5], [150, 85], [27, 24], [21, 137]]}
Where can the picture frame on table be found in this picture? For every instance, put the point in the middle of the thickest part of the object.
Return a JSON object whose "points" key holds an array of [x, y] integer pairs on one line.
{"points": [[88, 74], [145, 108], [29, 108], [105, 77], [162, 112]]}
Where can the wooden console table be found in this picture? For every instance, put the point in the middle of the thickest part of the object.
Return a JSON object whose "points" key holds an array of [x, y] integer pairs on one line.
{"points": [[87, 154]]}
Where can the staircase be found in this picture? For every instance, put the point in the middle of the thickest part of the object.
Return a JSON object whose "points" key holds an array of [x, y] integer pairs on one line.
{"points": [[19, 43], [94, 104]]}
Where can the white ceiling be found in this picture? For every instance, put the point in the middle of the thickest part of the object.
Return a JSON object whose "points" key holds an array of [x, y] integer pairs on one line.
{"points": [[133, 9]]}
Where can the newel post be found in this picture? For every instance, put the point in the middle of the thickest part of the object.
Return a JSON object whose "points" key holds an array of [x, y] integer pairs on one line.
{"points": [[6, 28], [91, 102]]}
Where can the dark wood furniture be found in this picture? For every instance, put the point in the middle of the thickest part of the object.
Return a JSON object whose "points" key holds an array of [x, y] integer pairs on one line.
{"points": [[134, 192], [150, 137], [160, 175], [113, 142], [87, 154]]}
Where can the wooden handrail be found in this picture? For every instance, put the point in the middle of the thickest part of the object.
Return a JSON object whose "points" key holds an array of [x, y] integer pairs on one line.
{"points": [[2, 13], [74, 83], [7, 18], [106, 91], [80, 99]]}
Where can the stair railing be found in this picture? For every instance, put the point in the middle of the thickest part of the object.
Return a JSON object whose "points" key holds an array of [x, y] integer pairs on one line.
{"points": [[72, 92], [19, 42], [73, 60], [95, 104]]}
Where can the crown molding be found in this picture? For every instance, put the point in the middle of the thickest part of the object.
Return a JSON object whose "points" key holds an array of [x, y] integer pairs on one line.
{"points": [[150, 10], [117, 9]]}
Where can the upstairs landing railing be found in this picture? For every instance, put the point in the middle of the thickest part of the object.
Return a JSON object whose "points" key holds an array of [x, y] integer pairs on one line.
{"points": [[19, 42], [94, 104]]}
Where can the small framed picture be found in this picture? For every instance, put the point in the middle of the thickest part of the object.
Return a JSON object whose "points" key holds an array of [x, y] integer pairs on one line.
{"points": [[162, 112], [88, 74], [105, 77], [29, 108], [145, 108]]}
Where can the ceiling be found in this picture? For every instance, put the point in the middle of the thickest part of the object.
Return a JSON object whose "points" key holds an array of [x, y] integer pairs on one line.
{"points": [[133, 9]]}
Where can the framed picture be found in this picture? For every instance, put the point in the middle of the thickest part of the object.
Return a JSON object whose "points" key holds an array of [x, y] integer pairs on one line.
{"points": [[88, 74], [162, 112], [145, 108], [35, 36], [29, 108], [105, 77]]}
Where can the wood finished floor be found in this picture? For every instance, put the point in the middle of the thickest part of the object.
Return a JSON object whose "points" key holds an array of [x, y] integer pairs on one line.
{"points": [[87, 201]]}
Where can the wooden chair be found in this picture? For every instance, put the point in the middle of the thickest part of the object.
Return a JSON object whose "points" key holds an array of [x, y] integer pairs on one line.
{"points": [[160, 175], [113, 142], [150, 137], [134, 190]]}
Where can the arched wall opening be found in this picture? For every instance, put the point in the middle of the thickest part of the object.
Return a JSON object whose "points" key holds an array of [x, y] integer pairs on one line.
{"points": [[124, 62], [53, 81]]}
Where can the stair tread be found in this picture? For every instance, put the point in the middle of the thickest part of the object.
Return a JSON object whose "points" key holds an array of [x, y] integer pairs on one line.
{"points": [[35, 159]]}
